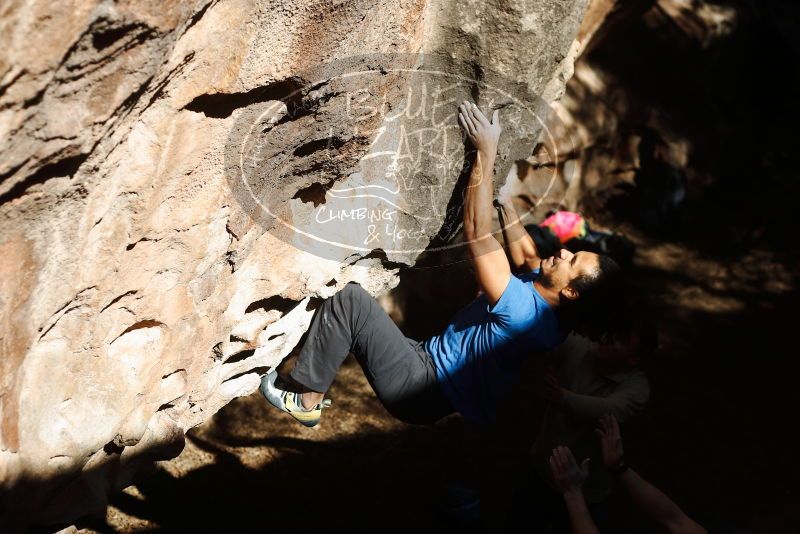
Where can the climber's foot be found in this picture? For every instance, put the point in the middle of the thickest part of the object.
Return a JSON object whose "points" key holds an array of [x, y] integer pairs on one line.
{"points": [[291, 402]]}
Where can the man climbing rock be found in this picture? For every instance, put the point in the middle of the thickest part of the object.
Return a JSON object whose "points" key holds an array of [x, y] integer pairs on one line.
{"points": [[470, 365]]}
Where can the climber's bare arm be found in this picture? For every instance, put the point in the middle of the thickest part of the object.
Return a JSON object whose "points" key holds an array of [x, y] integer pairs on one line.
{"points": [[491, 265], [521, 248]]}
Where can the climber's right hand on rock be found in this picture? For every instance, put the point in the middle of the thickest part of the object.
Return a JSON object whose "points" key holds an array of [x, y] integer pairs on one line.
{"points": [[483, 134]]}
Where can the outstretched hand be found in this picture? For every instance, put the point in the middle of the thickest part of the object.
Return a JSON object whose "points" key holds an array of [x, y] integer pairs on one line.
{"points": [[567, 474], [483, 134], [610, 442]]}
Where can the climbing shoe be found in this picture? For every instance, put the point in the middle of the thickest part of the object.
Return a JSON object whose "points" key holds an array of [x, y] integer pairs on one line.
{"points": [[290, 401]]}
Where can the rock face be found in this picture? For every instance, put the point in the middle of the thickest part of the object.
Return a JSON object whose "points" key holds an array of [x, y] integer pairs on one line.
{"points": [[169, 174]]}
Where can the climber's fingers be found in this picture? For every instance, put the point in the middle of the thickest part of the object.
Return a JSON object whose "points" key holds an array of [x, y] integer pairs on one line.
{"points": [[463, 123], [466, 108], [466, 120], [477, 115], [469, 127]]}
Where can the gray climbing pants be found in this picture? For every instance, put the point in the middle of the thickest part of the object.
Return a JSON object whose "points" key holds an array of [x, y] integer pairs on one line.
{"points": [[398, 368]]}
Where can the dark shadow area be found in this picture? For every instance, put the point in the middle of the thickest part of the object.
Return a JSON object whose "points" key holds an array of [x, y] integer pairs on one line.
{"points": [[387, 481], [727, 91], [387, 476], [656, 200], [221, 105]]}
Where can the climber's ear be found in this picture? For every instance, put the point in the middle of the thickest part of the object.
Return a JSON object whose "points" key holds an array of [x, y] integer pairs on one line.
{"points": [[570, 293]]}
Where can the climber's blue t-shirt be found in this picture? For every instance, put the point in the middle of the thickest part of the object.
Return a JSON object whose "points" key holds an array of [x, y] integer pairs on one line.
{"points": [[478, 354]]}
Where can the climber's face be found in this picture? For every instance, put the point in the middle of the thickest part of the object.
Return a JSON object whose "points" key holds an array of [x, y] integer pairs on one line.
{"points": [[560, 270]]}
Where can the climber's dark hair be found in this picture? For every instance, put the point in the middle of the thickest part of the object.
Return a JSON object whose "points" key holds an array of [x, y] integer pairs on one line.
{"points": [[591, 286], [595, 290]]}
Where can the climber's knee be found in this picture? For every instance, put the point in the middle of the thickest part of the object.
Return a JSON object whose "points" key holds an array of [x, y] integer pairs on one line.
{"points": [[353, 300], [353, 291]]}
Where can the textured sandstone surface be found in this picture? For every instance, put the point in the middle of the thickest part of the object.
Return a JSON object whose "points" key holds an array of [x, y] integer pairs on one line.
{"points": [[141, 289]]}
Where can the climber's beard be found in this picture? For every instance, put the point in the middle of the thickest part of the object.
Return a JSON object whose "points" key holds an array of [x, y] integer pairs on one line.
{"points": [[546, 280]]}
